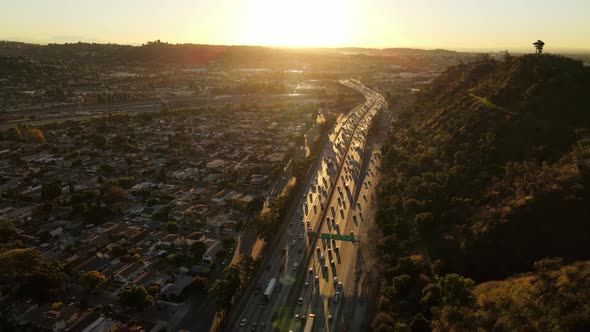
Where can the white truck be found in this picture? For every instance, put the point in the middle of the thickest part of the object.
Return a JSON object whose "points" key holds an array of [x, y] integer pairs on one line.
{"points": [[269, 290]]}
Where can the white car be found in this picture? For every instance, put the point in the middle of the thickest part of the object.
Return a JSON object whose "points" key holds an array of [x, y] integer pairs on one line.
{"points": [[243, 322]]}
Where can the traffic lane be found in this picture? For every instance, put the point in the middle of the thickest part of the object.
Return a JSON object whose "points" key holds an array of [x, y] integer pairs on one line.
{"points": [[286, 260], [350, 298], [251, 304], [282, 299], [347, 249], [332, 196]]}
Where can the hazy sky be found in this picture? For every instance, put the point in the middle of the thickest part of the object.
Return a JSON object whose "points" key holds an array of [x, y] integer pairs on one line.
{"points": [[455, 24]]}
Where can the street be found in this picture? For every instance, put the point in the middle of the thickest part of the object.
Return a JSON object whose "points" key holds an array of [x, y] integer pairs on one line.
{"points": [[335, 202]]}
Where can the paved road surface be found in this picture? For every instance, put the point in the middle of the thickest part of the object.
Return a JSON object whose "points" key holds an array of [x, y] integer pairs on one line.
{"points": [[330, 199]]}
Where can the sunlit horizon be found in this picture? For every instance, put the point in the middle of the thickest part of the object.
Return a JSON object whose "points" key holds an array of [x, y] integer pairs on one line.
{"points": [[455, 24]]}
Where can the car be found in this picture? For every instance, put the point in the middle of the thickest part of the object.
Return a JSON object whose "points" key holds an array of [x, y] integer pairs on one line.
{"points": [[351, 233], [336, 297], [253, 326], [309, 228], [300, 301], [340, 285], [293, 243], [278, 288], [330, 317], [337, 249], [335, 280], [317, 278], [331, 262], [311, 270], [223, 262], [301, 236], [325, 266], [306, 284], [294, 266], [296, 316], [243, 322]]}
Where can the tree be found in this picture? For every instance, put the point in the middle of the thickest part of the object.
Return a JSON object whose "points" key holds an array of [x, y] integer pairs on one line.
{"points": [[246, 265], [153, 289], [14, 134], [118, 250], [114, 194], [92, 280], [172, 227], [30, 274], [99, 141], [539, 46], [456, 290], [199, 283], [225, 288], [134, 297], [35, 135], [7, 230], [50, 191], [198, 248]]}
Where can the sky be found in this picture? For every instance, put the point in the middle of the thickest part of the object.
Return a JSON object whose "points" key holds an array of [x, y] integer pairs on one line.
{"points": [[450, 24]]}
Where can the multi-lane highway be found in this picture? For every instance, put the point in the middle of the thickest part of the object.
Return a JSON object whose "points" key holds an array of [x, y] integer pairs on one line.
{"points": [[314, 275], [61, 113]]}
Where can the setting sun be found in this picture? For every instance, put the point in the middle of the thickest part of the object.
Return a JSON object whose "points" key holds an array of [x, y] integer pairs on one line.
{"points": [[297, 23]]}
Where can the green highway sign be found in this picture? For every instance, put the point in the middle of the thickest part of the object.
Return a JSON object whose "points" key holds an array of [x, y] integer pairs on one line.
{"points": [[337, 237]]}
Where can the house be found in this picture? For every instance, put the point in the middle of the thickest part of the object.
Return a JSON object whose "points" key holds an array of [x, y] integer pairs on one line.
{"points": [[129, 271], [194, 237], [173, 239], [175, 290], [83, 320], [213, 247], [102, 324], [98, 240], [131, 232], [258, 182]]}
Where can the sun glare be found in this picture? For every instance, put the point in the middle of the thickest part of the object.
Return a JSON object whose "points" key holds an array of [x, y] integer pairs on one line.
{"points": [[297, 23]]}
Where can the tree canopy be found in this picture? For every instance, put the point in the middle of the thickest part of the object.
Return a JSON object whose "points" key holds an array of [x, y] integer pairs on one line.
{"points": [[134, 297], [92, 280]]}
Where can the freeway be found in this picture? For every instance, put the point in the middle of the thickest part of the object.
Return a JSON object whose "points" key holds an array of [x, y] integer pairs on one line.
{"points": [[42, 115], [334, 260], [305, 279]]}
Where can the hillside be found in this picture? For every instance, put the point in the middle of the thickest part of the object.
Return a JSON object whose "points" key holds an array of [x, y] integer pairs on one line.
{"points": [[487, 171], [553, 298]]}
